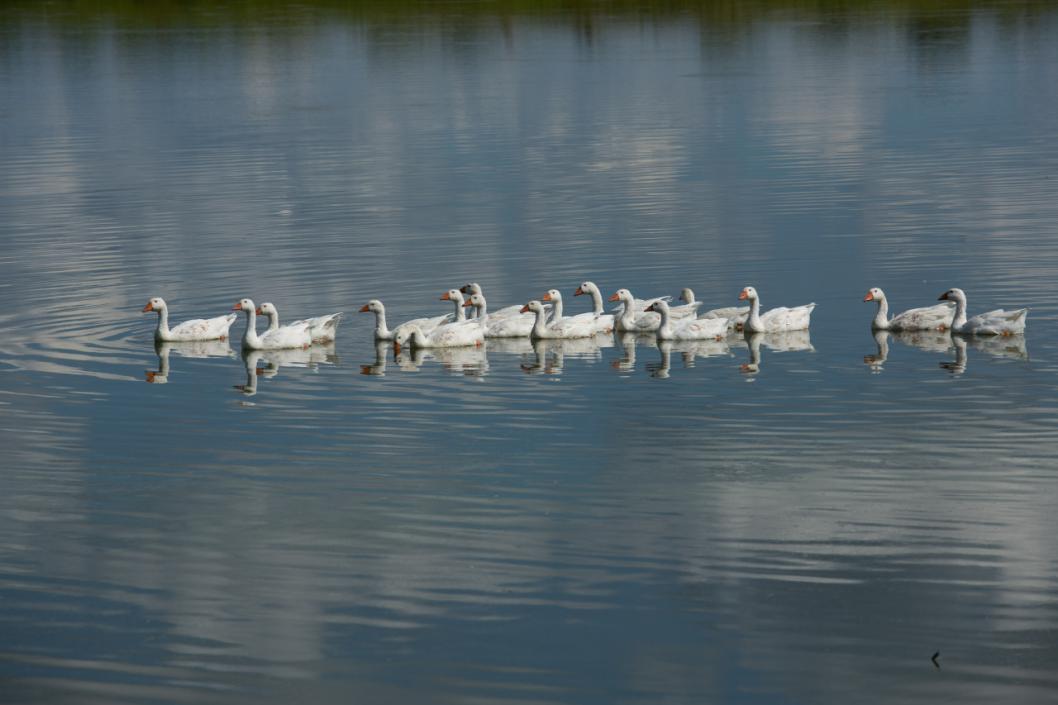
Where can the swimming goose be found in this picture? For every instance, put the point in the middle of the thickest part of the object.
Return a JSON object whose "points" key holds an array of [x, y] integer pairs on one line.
{"points": [[997, 322], [382, 332], [286, 337], [688, 328], [775, 320], [196, 329], [322, 329], [936, 317]]}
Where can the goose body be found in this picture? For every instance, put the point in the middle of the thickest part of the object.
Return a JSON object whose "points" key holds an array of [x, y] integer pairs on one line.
{"points": [[453, 335], [292, 336], [776, 320], [565, 327], [322, 329], [197, 329], [687, 328], [499, 314], [382, 331], [604, 322], [937, 317], [997, 322], [633, 316]]}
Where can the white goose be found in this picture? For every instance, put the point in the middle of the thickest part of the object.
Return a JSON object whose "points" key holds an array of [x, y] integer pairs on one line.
{"points": [[196, 329], [456, 297], [518, 326], [382, 332], [633, 316], [451, 335], [775, 320], [998, 322], [498, 315], [292, 336], [736, 315], [688, 328], [604, 322], [689, 309], [322, 329], [579, 326], [936, 317]]}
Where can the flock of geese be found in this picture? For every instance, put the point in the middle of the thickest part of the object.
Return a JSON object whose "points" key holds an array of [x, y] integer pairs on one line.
{"points": [[541, 327], [545, 319]]}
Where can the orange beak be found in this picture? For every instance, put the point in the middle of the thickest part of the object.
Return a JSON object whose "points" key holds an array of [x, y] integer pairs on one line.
{"points": [[257, 310], [468, 304], [148, 307], [524, 309], [237, 306], [615, 297], [445, 297], [743, 295], [546, 297], [578, 292], [396, 346], [465, 289], [364, 309], [869, 296], [943, 297]]}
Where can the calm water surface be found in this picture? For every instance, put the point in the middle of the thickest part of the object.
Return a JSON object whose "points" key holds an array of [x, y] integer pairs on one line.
{"points": [[804, 519]]}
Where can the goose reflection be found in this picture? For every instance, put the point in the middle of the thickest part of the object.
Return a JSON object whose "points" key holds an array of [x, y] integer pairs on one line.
{"points": [[468, 361], [787, 341], [378, 367], [1010, 348], [203, 348], [925, 340], [549, 355], [688, 350], [274, 360], [628, 342]]}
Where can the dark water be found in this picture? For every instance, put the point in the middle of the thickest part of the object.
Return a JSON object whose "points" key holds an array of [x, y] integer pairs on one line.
{"points": [[589, 523]]}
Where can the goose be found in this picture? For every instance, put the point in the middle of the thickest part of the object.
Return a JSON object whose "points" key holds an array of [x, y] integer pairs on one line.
{"points": [[604, 322], [688, 328], [500, 314], [936, 317], [322, 329], [456, 297], [452, 335], [425, 325], [196, 329], [292, 336], [689, 309], [518, 326], [633, 318], [998, 322], [775, 320], [579, 326]]}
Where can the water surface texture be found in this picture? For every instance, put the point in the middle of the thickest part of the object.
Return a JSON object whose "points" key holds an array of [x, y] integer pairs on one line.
{"points": [[804, 519]]}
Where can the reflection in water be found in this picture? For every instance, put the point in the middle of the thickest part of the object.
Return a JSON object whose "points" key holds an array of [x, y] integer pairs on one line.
{"points": [[273, 360], [788, 341], [925, 340], [198, 349], [1005, 347], [549, 356], [689, 351]]}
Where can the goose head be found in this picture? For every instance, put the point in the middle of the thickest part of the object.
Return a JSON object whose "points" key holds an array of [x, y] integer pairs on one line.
{"points": [[747, 293], [552, 295], [404, 336], [658, 306], [687, 295], [372, 306], [952, 295], [156, 303], [874, 294], [244, 305], [585, 289], [267, 309], [532, 307], [471, 288], [476, 300], [621, 295], [453, 295]]}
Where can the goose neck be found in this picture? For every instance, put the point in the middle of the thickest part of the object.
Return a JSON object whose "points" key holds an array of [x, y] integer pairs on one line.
{"points": [[960, 313], [162, 331], [881, 316], [754, 323], [596, 301], [249, 338]]}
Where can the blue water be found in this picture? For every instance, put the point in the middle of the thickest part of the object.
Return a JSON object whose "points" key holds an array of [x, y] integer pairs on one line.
{"points": [[805, 520]]}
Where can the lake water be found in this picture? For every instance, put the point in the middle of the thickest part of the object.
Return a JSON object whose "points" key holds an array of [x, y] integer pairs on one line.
{"points": [[805, 520]]}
